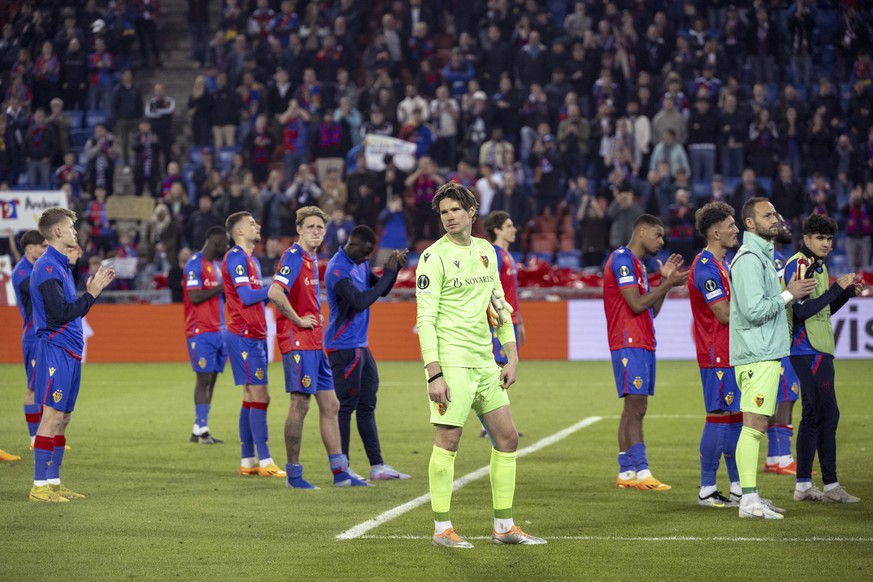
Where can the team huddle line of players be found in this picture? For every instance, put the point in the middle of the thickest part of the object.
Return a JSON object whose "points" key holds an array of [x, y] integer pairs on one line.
{"points": [[751, 330]]}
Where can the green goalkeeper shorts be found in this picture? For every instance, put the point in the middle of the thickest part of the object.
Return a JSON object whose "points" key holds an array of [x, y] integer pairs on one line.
{"points": [[476, 389], [758, 383]]}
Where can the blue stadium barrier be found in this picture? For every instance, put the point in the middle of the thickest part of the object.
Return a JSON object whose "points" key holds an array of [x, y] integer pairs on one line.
{"points": [[78, 137], [765, 183], [412, 259], [570, 259], [76, 117], [518, 257], [95, 116], [225, 157], [543, 257], [701, 188]]}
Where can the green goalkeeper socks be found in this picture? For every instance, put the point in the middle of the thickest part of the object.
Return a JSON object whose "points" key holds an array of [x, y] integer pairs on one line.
{"points": [[502, 482], [441, 472], [748, 447]]}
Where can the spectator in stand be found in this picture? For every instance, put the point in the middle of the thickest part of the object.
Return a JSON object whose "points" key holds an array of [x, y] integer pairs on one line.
{"points": [[201, 220], [173, 175], [487, 186], [60, 123], [224, 113], [417, 131], [670, 119], [366, 190], [393, 234], [236, 198], [304, 190], [337, 232], [702, 138], [279, 215], [762, 40], [457, 73], [800, 30], [420, 46], [573, 135], [45, 76], [349, 115], [819, 147], [147, 160], [444, 114], [279, 93], [159, 110], [260, 22], [747, 188], [334, 195], [331, 138], [101, 153], [72, 174], [270, 258], [474, 120], [859, 228], [127, 108], [763, 143], [74, 75], [376, 124], [821, 198], [788, 197], [424, 182], [622, 212], [259, 149], [512, 199], [545, 166], [792, 138], [309, 95], [532, 62], [680, 226], [176, 200], [827, 102], [176, 275], [198, 112], [198, 28], [859, 113], [250, 94], [668, 150], [10, 153], [101, 231], [409, 104], [40, 147], [733, 129], [496, 152], [147, 12], [162, 234], [659, 193], [295, 137]]}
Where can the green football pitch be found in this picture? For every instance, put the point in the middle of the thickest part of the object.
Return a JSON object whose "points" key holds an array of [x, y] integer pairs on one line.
{"points": [[161, 508]]}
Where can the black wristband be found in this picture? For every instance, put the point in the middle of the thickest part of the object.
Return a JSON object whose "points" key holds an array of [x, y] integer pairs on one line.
{"points": [[434, 377]]}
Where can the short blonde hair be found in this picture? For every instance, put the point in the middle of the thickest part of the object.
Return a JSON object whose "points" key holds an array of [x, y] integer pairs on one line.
{"points": [[51, 218], [307, 211]]}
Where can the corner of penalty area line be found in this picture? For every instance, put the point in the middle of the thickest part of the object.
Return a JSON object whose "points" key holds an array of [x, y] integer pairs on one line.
{"points": [[386, 516]]}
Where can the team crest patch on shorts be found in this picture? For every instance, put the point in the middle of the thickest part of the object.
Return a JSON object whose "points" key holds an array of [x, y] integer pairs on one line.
{"points": [[245, 355], [720, 374], [441, 407], [638, 382], [201, 362], [759, 400], [259, 374], [306, 381], [794, 387], [296, 358], [57, 395], [729, 397]]}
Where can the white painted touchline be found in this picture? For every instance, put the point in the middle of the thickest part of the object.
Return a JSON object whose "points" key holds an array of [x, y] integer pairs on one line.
{"points": [[387, 516], [816, 539]]}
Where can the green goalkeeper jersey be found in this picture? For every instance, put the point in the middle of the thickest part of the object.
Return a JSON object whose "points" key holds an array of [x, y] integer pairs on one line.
{"points": [[453, 291]]}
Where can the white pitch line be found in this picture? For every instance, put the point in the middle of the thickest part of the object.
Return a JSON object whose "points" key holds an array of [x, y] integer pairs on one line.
{"points": [[810, 540], [387, 516]]}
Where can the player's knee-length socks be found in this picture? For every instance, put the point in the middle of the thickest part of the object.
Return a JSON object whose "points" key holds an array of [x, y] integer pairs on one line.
{"points": [[32, 414], [43, 450], [258, 422], [53, 473], [441, 473], [502, 482], [710, 449], [730, 437], [247, 443], [748, 448]]}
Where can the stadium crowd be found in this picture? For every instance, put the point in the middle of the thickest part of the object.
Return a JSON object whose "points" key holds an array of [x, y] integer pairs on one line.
{"points": [[574, 117]]}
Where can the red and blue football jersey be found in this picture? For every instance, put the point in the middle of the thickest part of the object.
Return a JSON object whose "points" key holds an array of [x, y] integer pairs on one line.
{"points": [[239, 269], [21, 285], [297, 274], [625, 328], [708, 284], [207, 316], [508, 279]]}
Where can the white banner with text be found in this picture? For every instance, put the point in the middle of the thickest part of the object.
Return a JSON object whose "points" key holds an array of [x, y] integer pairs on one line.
{"points": [[21, 209]]}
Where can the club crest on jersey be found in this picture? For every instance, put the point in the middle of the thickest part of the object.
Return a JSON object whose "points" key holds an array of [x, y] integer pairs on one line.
{"points": [[441, 407], [240, 270], [729, 398], [51, 372], [484, 258], [245, 355], [57, 395], [201, 362], [306, 381], [638, 382], [720, 373], [259, 374], [423, 282], [759, 400]]}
